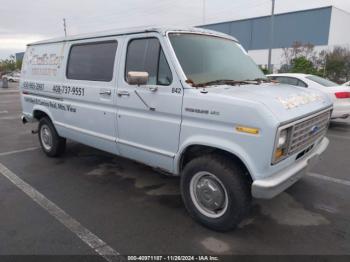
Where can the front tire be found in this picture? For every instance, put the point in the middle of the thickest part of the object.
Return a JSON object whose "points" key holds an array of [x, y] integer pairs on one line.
{"points": [[51, 143], [216, 192]]}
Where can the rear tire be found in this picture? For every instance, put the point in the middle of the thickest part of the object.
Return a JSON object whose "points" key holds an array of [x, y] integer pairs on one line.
{"points": [[216, 192], [51, 143]]}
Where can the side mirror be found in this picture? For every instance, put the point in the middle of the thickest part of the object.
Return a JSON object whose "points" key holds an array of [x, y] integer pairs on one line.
{"points": [[137, 78]]}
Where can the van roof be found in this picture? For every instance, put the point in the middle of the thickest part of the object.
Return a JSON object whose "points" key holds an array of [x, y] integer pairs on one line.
{"points": [[134, 30]]}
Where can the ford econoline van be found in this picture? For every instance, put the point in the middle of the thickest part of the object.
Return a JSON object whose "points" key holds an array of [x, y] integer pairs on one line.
{"points": [[187, 101]]}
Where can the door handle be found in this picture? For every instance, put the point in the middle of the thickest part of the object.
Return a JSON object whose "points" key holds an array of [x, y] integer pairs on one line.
{"points": [[123, 93], [106, 92]]}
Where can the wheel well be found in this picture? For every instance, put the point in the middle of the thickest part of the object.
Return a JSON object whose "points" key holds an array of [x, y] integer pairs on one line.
{"points": [[39, 114], [195, 151]]}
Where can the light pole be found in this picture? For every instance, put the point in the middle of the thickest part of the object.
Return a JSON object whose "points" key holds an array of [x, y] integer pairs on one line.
{"points": [[271, 35], [203, 12], [64, 27]]}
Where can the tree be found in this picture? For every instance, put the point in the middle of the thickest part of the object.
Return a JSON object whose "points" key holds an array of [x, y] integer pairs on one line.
{"points": [[302, 58], [285, 68], [337, 66], [303, 65], [8, 64], [297, 50], [264, 70], [19, 64]]}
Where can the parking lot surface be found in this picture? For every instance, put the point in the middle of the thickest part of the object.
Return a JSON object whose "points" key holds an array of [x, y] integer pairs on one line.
{"points": [[135, 210]]}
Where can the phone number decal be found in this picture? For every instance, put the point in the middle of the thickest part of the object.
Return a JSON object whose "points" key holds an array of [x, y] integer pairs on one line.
{"points": [[33, 86], [69, 90]]}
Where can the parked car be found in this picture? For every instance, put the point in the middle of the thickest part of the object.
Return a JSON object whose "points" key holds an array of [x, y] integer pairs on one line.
{"points": [[12, 77], [188, 102], [340, 95], [346, 84]]}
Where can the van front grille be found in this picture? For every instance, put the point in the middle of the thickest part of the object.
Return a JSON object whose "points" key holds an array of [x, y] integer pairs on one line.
{"points": [[307, 132]]}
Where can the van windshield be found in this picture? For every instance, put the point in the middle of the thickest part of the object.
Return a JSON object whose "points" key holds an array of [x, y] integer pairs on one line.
{"points": [[209, 60]]}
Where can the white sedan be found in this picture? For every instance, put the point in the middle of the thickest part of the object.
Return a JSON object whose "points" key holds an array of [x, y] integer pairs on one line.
{"points": [[339, 94]]}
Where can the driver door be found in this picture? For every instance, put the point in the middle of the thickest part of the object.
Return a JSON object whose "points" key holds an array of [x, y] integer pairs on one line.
{"points": [[149, 116]]}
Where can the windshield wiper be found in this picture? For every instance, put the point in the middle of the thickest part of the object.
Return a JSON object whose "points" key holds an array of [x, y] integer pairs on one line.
{"points": [[219, 82], [260, 80]]}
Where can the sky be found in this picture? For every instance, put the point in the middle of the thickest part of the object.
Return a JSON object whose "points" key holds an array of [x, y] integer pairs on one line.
{"points": [[23, 21]]}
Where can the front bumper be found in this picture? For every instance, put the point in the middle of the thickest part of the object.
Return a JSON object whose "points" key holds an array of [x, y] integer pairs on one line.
{"points": [[277, 183]]}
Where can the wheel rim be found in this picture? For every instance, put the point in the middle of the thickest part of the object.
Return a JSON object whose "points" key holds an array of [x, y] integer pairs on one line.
{"points": [[208, 194], [46, 137]]}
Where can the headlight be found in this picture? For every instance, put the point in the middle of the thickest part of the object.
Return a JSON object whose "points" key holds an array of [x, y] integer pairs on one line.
{"points": [[281, 145], [282, 140]]}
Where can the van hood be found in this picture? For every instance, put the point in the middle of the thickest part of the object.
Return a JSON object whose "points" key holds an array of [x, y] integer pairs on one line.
{"points": [[284, 101]]}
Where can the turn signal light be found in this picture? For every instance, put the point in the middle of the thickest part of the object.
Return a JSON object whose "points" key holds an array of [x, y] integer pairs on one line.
{"points": [[278, 153], [249, 130], [341, 95]]}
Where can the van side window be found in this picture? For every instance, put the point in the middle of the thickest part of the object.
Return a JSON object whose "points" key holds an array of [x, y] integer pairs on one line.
{"points": [[146, 55], [164, 74], [92, 61]]}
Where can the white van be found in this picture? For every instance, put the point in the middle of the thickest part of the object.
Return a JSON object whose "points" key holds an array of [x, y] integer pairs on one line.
{"points": [[190, 102]]}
